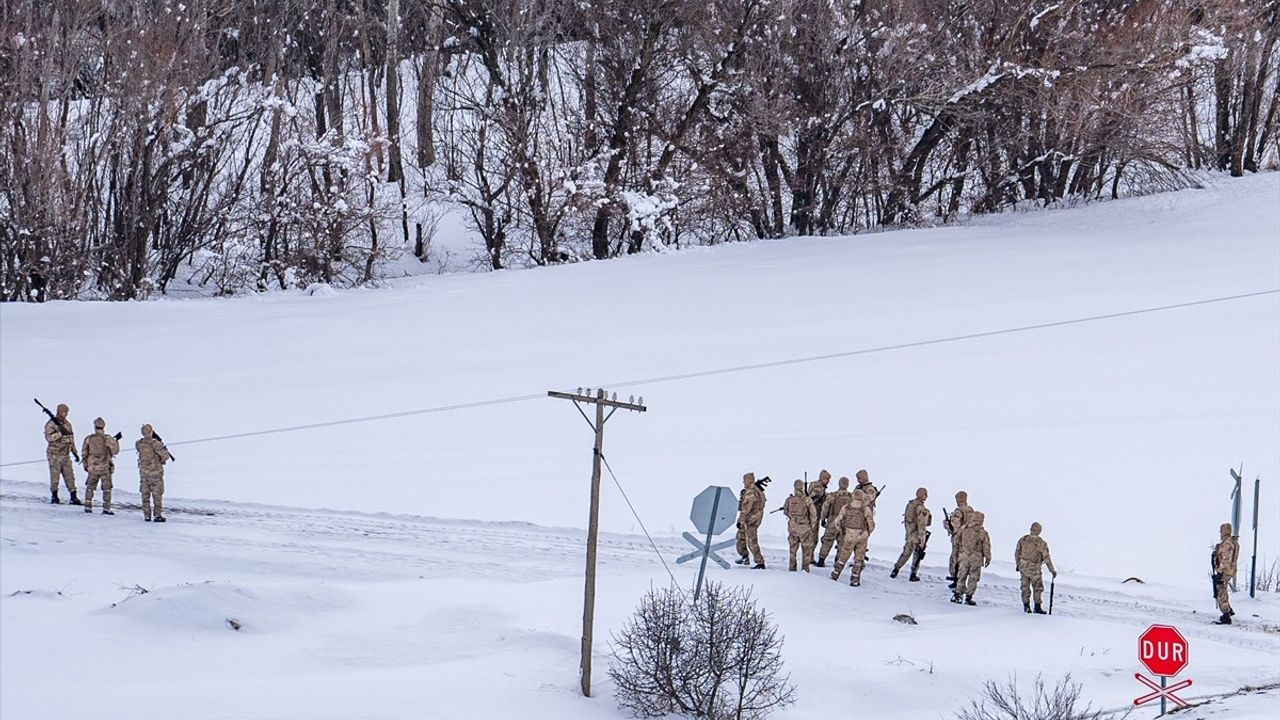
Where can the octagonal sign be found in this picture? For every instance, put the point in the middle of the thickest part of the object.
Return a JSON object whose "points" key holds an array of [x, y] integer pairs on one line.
{"points": [[1163, 650], [712, 517]]}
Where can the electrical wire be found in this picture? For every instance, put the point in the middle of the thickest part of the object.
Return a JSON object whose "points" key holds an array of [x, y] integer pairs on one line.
{"points": [[718, 371], [636, 515]]}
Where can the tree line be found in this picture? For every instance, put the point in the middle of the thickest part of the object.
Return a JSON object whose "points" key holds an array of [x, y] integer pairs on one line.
{"points": [[257, 144]]}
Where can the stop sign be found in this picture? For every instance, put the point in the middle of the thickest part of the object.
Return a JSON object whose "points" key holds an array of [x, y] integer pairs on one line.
{"points": [[1163, 650]]}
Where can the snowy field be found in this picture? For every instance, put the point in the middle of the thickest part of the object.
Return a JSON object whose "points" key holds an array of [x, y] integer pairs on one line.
{"points": [[429, 565]]}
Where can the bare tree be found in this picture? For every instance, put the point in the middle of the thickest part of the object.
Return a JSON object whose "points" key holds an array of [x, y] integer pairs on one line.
{"points": [[718, 657]]}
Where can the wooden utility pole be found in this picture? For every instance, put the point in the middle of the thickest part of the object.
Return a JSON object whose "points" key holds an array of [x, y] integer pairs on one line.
{"points": [[593, 524]]}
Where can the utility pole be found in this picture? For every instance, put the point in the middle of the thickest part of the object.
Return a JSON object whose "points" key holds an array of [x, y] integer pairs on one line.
{"points": [[593, 524]]}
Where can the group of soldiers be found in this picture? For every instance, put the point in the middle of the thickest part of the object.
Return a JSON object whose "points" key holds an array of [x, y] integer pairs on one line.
{"points": [[98, 456], [844, 519]]}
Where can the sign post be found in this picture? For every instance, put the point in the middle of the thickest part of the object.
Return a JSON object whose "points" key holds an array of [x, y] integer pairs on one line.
{"points": [[1253, 564], [1165, 653], [713, 511]]}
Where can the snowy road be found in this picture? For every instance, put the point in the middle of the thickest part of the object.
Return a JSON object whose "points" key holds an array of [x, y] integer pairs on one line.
{"points": [[322, 593]]}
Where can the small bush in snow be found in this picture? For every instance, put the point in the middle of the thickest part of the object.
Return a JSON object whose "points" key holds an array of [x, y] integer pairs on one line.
{"points": [[717, 658], [1268, 577], [1005, 701]]}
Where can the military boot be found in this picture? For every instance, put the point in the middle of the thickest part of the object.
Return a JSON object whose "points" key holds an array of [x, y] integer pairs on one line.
{"points": [[914, 577], [968, 600], [1039, 610], [160, 518], [107, 512], [1224, 620], [855, 575], [952, 584], [88, 509], [75, 500], [742, 560], [955, 598], [1026, 607], [822, 562], [893, 573], [54, 499]]}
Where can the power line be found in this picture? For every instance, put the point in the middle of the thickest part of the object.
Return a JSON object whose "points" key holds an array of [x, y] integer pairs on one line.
{"points": [[936, 341], [718, 371], [636, 515]]}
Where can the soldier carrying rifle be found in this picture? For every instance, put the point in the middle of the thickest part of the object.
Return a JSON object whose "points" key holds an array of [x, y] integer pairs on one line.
{"points": [[1223, 563], [61, 439]]}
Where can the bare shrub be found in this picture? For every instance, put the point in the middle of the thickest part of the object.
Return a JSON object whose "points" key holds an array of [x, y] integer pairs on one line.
{"points": [[1006, 701], [1268, 577], [717, 658]]}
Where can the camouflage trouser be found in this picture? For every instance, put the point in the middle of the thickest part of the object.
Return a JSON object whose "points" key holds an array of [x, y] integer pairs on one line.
{"points": [[152, 494], [830, 537], [60, 466], [1224, 597], [915, 540], [968, 573], [814, 533], [748, 539], [853, 543], [1032, 580], [800, 538], [92, 484]]}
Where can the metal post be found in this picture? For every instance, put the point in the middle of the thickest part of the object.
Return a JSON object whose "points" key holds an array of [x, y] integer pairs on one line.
{"points": [[593, 528], [1162, 681], [1236, 501], [1253, 564], [706, 550]]}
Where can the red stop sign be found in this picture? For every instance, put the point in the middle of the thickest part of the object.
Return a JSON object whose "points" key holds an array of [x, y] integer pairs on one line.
{"points": [[1163, 650]]}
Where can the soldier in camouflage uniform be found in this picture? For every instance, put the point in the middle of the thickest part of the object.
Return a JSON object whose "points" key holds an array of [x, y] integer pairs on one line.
{"points": [[152, 455], [61, 438], [959, 518], [975, 553], [831, 507], [818, 494], [916, 519], [1226, 554], [1031, 555], [750, 514], [802, 517], [865, 486], [855, 523], [98, 453]]}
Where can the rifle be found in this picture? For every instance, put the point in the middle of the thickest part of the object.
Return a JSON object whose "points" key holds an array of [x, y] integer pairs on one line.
{"points": [[61, 427], [1213, 574], [946, 521], [920, 550], [118, 436], [156, 435], [762, 483], [1052, 581]]}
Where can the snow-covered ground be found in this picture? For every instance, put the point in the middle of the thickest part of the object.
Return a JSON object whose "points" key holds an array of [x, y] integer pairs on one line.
{"points": [[413, 567]]}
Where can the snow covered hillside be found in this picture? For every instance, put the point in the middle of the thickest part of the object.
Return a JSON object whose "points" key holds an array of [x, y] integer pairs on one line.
{"points": [[410, 567]]}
